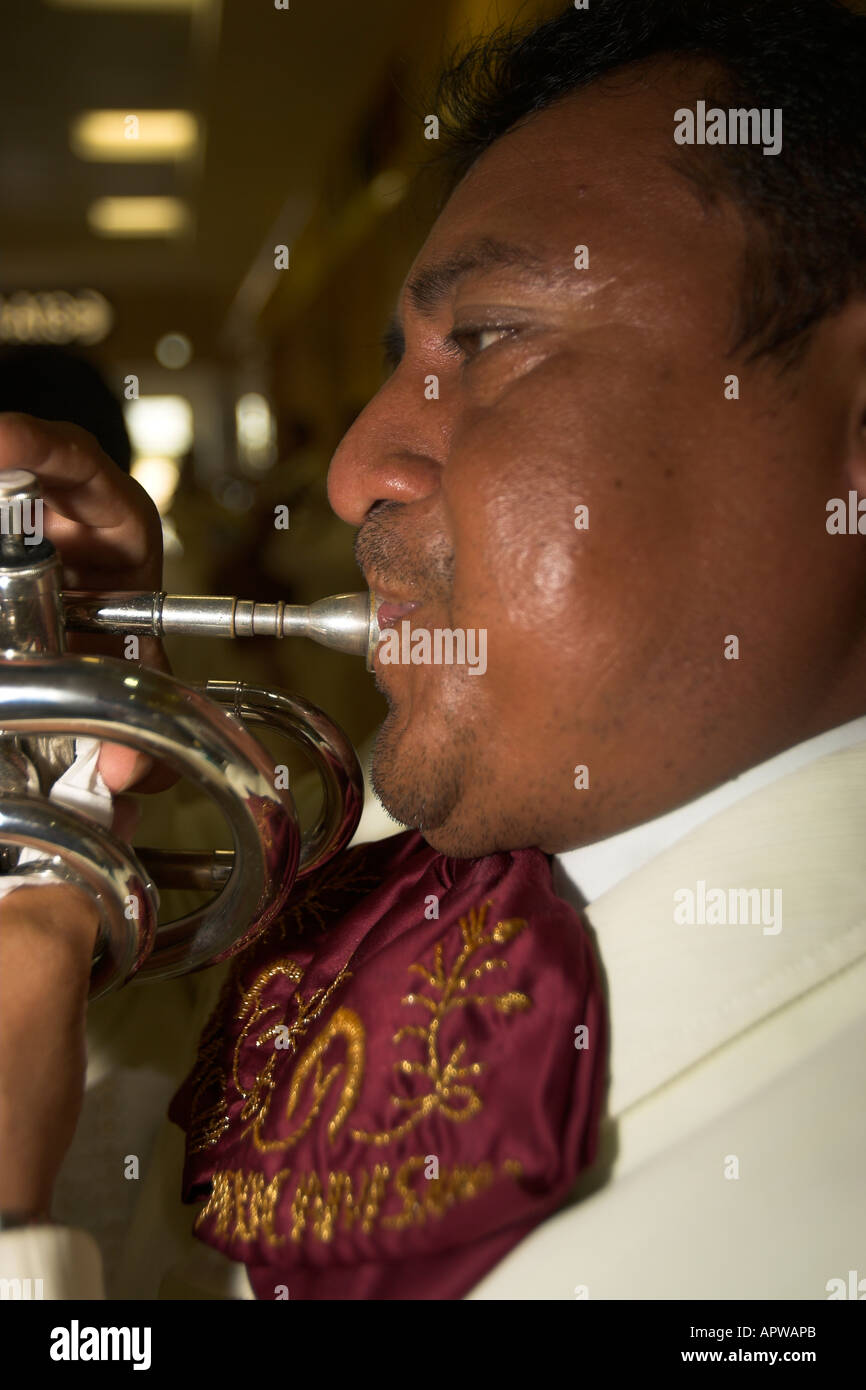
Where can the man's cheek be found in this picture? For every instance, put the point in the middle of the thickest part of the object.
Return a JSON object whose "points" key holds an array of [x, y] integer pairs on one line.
{"points": [[517, 564], [530, 534]]}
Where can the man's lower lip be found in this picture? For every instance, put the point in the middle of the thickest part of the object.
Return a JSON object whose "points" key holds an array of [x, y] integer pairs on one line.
{"points": [[390, 614]]}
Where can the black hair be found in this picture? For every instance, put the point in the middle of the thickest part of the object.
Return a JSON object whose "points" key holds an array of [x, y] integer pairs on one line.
{"points": [[55, 383], [804, 208]]}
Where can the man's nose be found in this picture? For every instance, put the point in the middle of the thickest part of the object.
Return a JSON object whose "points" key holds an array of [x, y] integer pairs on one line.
{"points": [[393, 452]]}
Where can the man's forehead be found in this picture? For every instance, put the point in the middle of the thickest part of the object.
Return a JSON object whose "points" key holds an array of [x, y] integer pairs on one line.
{"points": [[584, 166], [433, 277]]}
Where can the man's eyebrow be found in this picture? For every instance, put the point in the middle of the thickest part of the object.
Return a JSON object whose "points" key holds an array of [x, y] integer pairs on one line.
{"points": [[430, 285]]}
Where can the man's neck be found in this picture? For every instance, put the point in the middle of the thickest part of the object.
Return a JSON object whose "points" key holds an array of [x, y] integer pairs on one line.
{"points": [[595, 869]]}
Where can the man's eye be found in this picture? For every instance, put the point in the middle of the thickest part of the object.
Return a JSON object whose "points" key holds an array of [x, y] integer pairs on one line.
{"points": [[470, 342]]}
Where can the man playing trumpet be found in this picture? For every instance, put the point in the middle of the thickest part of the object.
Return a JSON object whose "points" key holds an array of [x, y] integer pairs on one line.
{"points": [[651, 388]]}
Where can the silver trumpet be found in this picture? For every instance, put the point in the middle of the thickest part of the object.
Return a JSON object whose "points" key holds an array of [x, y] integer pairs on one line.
{"points": [[198, 731]]}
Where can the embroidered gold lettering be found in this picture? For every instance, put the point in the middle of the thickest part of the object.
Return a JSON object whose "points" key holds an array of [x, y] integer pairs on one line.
{"points": [[320, 1212], [244, 1206], [457, 1184]]}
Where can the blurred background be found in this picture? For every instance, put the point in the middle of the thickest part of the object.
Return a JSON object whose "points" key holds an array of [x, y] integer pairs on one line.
{"points": [[153, 156]]}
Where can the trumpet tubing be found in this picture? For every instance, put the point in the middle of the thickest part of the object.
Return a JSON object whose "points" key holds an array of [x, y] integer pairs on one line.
{"points": [[200, 731]]}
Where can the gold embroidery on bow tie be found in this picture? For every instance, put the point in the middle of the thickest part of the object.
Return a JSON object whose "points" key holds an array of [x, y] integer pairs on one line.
{"points": [[344, 1024], [208, 1121], [243, 1205], [324, 895], [450, 1092], [319, 1212], [448, 1082], [208, 1124], [457, 1184]]}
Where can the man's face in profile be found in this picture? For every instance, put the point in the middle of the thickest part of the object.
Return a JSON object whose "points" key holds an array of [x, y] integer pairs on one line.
{"points": [[605, 388]]}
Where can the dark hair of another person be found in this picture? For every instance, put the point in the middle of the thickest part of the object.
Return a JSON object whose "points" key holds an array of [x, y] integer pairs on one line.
{"points": [[54, 383], [804, 208]]}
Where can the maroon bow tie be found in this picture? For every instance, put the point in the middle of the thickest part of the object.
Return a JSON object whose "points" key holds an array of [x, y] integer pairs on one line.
{"points": [[401, 1079]]}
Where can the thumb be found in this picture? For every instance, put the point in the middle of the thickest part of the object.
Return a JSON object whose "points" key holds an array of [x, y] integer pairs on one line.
{"points": [[122, 767]]}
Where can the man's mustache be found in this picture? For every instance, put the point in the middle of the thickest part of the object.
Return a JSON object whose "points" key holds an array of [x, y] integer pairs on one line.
{"points": [[420, 566]]}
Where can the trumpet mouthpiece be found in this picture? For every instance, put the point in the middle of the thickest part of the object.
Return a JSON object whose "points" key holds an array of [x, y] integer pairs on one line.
{"points": [[346, 622]]}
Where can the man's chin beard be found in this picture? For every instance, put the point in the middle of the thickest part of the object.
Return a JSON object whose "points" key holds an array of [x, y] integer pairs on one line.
{"points": [[418, 789]]}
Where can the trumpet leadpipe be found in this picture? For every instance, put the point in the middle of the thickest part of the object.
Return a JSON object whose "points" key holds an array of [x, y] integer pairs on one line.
{"points": [[345, 622]]}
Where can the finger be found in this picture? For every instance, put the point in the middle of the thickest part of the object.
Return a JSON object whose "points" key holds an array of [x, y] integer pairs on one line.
{"points": [[121, 767], [128, 769], [84, 483], [124, 556], [83, 488]]}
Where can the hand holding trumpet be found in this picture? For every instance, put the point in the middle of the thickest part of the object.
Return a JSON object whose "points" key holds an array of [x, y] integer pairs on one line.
{"points": [[108, 535]]}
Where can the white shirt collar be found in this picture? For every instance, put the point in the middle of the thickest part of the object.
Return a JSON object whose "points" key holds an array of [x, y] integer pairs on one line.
{"points": [[595, 869]]}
